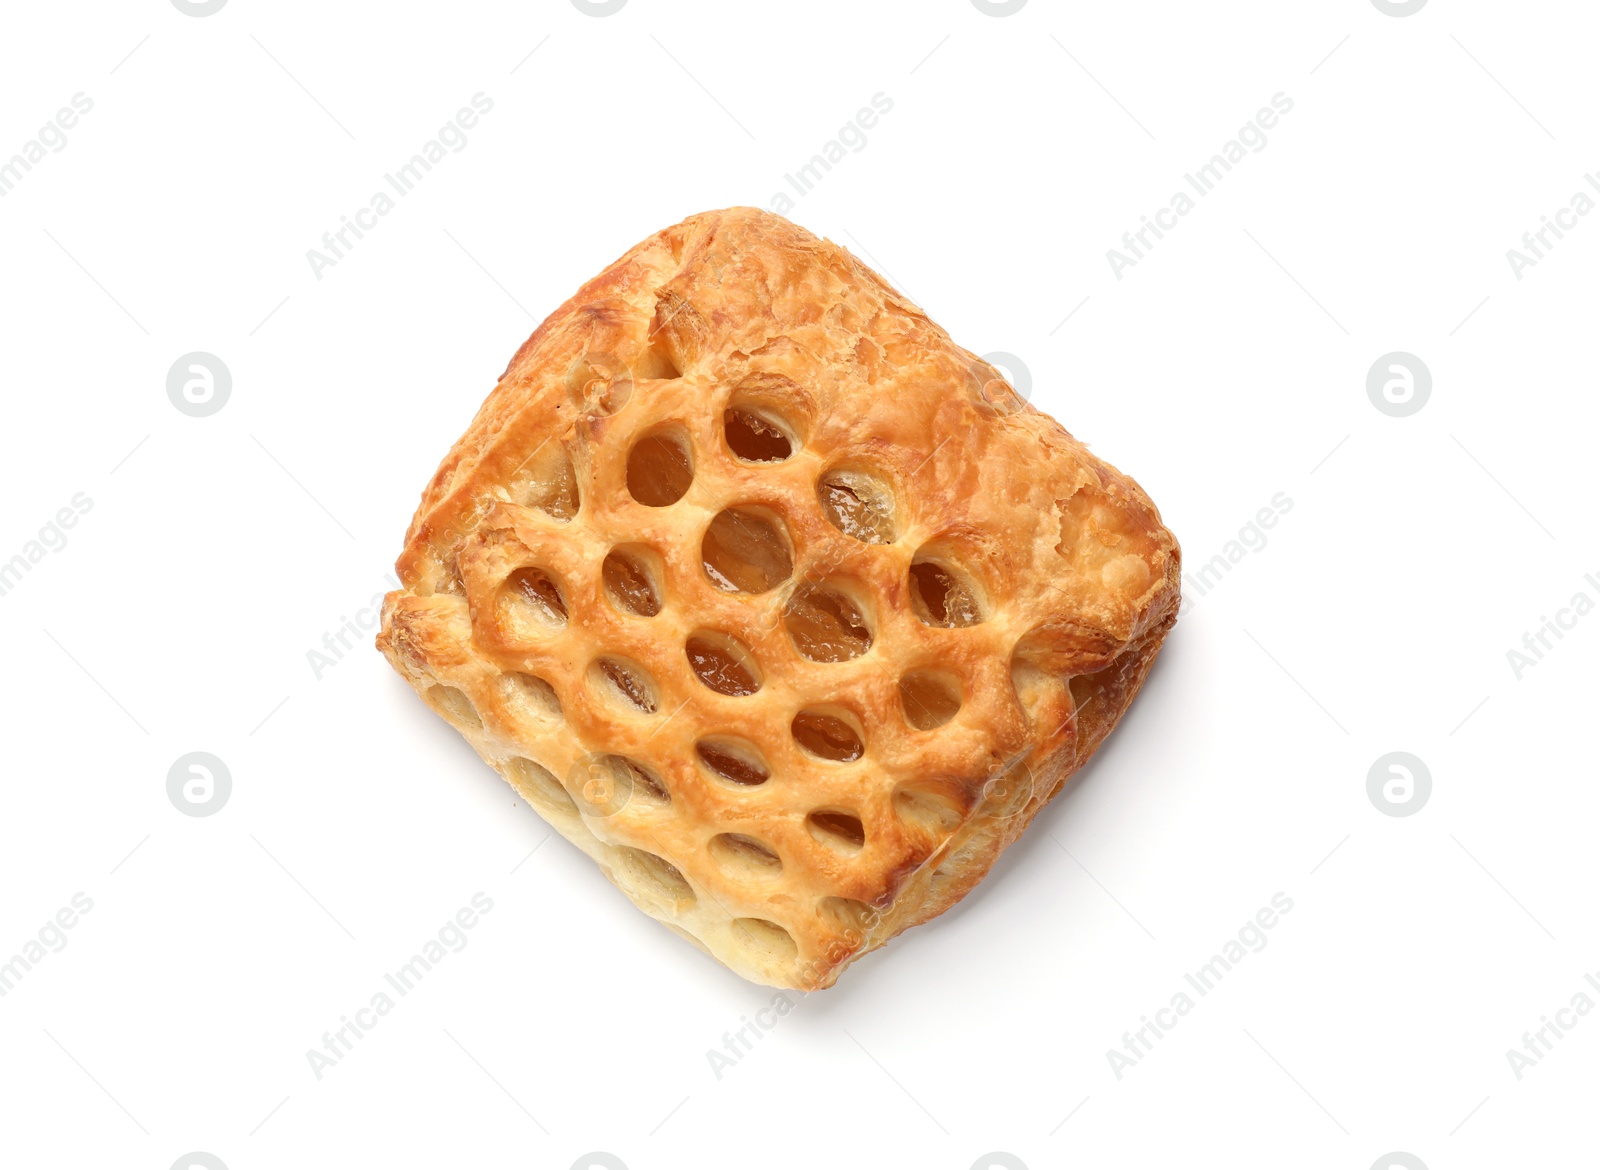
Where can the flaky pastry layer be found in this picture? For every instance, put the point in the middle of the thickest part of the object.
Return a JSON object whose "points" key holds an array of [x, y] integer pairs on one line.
{"points": [[772, 599]]}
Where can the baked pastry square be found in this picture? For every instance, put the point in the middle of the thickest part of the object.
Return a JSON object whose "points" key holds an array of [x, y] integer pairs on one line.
{"points": [[772, 599]]}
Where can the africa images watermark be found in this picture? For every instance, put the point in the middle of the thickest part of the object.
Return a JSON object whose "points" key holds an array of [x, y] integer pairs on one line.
{"points": [[1251, 538], [740, 1043], [1139, 1043], [1541, 1042], [1564, 220], [51, 939], [451, 139], [853, 134], [338, 1043], [51, 538], [1536, 644], [52, 135], [349, 634], [199, 384], [1205, 179]]}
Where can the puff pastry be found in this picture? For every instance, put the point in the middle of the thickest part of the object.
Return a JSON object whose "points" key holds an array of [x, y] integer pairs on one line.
{"points": [[772, 599]]}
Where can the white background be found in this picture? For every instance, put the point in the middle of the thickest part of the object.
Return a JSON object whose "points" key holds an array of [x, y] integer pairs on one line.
{"points": [[1228, 365]]}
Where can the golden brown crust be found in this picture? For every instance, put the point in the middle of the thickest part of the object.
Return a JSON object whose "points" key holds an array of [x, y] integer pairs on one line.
{"points": [[920, 505]]}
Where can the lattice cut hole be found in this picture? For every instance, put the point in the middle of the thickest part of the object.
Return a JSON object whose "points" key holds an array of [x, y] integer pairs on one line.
{"points": [[826, 625], [942, 595], [631, 574], [933, 811], [837, 829], [625, 682], [531, 604], [540, 788], [530, 697], [766, 942], [960, 859], [604, 785], [745, 858], [1039, 693], [660, 467], [1086, 688], [548, 482], [859, 504], [453, 704], [745, 550], [756, 437], [829, 733], [929, 698], [655, 878], [723, 663], [737, 761]]}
